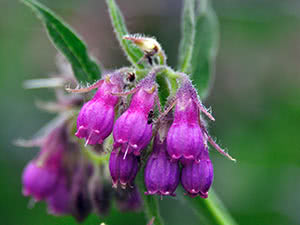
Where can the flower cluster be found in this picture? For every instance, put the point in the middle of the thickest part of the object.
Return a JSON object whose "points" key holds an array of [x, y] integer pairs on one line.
{"points": [[63, 175], [181, 153], [69, 183], [117, 126]]}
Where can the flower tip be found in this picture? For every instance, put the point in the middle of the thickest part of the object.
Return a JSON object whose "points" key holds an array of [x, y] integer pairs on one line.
{"points": [[25, 192], [151, 90], [203, 195], [230, 158], [115, 185], [81, 132]]}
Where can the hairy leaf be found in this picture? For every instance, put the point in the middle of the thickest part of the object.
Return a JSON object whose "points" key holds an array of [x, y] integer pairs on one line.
{"points": [[68, 43], [205, 47], [133, 53], [187, 36], [163, 90]]}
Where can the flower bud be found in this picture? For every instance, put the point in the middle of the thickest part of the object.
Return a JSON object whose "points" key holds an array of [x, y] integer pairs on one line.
{"points": [[96, 117], [132, 130], [147, 44], [59, 202], [129, 199], [185, 138], [100, 194], [197, 177], [80, 199], [161, 174], [41, 175], [123, 170], [39, 181]]}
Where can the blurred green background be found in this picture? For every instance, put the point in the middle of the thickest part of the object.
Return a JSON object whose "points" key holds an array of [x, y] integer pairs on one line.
{"points": [[255, 99]]}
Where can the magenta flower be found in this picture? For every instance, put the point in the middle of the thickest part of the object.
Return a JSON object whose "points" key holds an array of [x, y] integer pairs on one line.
{"points": [[59, 200], [197, 177], [129, 199], [96, 118], [161, 173], [132, 131], [185, 138], [123, 169], [81, 204], [101, 197], [39, 181], [41, 175]]}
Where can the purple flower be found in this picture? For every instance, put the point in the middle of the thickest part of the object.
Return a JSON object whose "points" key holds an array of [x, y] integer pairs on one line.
{"points": [[41, 175], [39, 181], [197, 177], [81, 204], [123, 169], [96, 118], [59, 202], [185, 138], [129, 199], [161, 174], [100, 193], [132, 130]]}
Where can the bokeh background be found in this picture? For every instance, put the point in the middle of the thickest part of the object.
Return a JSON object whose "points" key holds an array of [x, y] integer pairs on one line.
{"points": [[255, 99]]}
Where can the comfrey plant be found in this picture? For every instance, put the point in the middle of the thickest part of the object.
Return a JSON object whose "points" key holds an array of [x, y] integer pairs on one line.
{"points": [[144, 129]]}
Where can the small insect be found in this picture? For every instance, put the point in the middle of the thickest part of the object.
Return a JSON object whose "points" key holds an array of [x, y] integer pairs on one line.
{"points": [[150, 117], [131, 76], [149, 54]]}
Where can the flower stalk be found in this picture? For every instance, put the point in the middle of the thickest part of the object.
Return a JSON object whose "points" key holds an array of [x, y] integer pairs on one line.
{"points": [[211, 210]]}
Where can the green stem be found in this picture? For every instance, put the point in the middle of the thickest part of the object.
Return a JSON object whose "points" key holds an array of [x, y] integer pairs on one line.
{"points": [[212, 210], [172, 76], [151, 209], [162, 57]]}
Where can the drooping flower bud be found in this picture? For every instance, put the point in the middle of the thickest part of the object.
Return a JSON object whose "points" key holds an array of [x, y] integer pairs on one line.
{"points": [[185, 138], [147, 44], [41, 174], [59, 201], [96, 117], [132, 130], [123, 169], [39, 181], [80, 199], [100, 193], [161, 174], [197, 177], [129, 199]]}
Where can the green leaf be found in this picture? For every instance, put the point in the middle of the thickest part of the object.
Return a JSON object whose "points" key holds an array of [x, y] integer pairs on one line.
{"points": [[133, 53], [205, 47], [68, 43], [187, 36], [168, 85], [163, 89]]}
